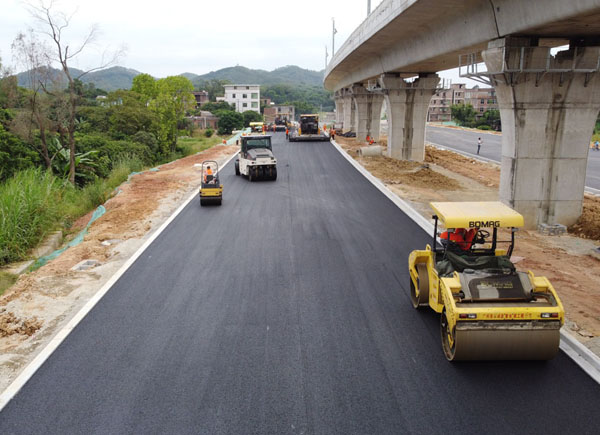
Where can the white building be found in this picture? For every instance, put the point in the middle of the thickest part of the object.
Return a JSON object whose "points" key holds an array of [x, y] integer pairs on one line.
{"points": [[244, 97]]}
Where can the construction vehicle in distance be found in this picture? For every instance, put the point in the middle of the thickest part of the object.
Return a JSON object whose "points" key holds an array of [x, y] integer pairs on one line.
{"points": [[308, 130], [256, 160], [211, 189], [489, 310], [257, 127], [281, 123]]}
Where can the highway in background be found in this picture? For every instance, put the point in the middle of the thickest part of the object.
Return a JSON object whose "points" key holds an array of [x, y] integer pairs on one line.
{"points": [[285, 310], [465, 141]]}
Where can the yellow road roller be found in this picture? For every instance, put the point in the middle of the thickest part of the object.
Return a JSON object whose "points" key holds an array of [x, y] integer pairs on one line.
{"points": [[211, 189], [489, 310]]}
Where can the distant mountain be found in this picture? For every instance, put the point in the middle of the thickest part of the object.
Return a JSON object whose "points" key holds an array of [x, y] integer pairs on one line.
{"points": [[118, 77], [290, 74], [109, 79]]}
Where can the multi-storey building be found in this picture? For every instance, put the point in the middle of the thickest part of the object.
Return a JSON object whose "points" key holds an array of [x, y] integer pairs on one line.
{"points": [[481, 99], [244, 97], [439, 107], [201, 98], [272, 112]]}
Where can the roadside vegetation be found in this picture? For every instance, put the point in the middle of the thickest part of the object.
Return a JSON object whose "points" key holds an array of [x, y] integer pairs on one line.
{"points": [[466, 116], [63, 150], [596, 135]]}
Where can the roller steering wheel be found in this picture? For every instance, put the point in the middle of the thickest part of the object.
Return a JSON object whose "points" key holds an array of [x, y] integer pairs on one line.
{"points": [[481, 236]]}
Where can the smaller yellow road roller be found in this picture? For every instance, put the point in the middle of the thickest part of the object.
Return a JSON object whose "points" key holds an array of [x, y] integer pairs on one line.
{"points": [[211, 189], [489, 310]]}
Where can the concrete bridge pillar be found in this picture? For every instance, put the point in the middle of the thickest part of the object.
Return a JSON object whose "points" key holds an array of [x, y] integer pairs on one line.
{"points": [[375, 115], [547, 121], [407, 104], [348, 111], [362, 105], [368, 112], [339, 108]]}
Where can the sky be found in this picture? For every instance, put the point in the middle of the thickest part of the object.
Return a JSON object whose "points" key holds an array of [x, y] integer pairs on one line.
{"points": [[172, 37]]}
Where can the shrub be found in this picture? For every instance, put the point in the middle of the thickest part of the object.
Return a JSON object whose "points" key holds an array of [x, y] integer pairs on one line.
{"points": [[208, 132], [484, 127]]}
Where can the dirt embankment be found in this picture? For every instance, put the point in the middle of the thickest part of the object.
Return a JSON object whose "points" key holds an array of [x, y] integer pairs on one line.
{"points": [[41, 302], [566, 260]]}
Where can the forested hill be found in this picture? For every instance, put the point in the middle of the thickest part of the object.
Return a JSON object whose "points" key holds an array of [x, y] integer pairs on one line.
{"points": [[109, 79], [285, 75], [118, 77]]}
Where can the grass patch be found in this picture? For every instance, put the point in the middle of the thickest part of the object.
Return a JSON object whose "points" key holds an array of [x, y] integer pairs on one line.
{"points": [[30, 207], [197, 144], [34, 202], [6, 280]]}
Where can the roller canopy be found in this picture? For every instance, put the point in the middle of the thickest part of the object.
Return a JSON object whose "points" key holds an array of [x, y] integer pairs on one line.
{"points": [[477, 214]]}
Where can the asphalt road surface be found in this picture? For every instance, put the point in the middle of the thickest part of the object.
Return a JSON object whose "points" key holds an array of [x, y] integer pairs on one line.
{"points": [[285, 310], [466, 141]]}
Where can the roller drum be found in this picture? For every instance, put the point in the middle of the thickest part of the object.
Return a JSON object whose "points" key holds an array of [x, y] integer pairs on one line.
{"points": [[502, 341]]}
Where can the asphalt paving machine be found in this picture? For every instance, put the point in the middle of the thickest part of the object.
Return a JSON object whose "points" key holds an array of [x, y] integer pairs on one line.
{"points": [[308, 130], [489, 310], [281, 123], [256, 160], [211, 189]]}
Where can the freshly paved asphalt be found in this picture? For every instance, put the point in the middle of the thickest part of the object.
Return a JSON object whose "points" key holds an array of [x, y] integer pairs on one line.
{"points": [[285, 310], [466, 141]]}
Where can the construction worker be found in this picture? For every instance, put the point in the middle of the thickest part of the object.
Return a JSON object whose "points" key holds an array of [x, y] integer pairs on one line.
{"points": [[208, 175], [287, 133], [460, 236], [332, 133]]}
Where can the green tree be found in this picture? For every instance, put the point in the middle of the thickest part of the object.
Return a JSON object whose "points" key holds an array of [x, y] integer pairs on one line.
{"points": [[14, 155], [214, 87], [490, 118], [144, 84], [464, 115], [214, 107], [315, 96], [251, 116], [229, 121], [302, 107], [174, 97], [129, 114]]}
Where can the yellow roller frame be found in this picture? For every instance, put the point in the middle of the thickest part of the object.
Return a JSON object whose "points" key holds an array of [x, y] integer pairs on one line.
{"points": [[485, 330]]}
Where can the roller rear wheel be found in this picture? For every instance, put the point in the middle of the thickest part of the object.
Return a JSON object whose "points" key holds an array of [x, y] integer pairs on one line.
{"points": [[420, 296], [448, 338]]}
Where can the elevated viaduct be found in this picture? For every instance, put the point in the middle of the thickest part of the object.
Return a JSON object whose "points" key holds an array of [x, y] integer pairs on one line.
{"points": [[548, 103]]}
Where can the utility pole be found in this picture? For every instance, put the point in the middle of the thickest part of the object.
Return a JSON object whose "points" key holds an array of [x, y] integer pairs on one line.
{"points": [[368, 7], [334, 31]]}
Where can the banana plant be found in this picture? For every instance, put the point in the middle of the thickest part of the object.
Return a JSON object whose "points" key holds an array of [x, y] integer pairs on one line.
{"points": [[86, 164]]}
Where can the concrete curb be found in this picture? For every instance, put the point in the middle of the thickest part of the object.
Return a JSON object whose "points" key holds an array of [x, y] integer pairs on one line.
{"points": [[16, 385], [581, 355]]}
